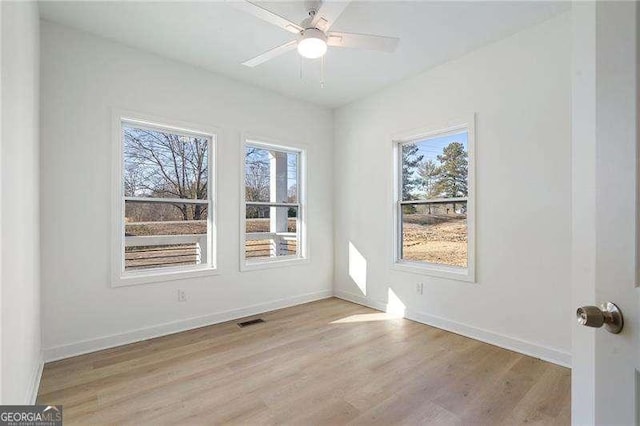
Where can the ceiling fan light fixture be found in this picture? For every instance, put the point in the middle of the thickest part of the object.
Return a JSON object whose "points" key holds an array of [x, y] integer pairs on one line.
{"points": [[313, 44]]}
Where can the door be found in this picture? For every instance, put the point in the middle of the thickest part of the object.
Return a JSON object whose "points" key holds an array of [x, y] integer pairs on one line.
{"points": [[605, 366]]}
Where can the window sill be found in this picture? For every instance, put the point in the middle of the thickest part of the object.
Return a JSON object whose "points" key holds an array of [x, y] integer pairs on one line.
{"points": [[148, 277], [269, 264], [434, 270]]}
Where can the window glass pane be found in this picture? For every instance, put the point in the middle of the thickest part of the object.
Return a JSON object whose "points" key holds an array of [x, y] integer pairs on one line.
{"points": [[161, 164], [292, 177], [435, 233], [158, 235], [261, 164], [435, 167], [172, 218], [271, 232], [257, 179]]}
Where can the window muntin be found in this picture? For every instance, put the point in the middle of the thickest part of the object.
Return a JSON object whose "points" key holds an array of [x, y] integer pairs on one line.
{"points": [[272, 204], [166, 200], [433, 200]]}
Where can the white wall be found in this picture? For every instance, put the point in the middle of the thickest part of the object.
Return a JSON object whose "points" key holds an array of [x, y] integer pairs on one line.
{"points": [[83, 78], [520, 88], [20, 259]]}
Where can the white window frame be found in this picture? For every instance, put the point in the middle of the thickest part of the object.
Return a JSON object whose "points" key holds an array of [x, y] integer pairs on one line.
{"points": [[427, 268], [120, 277], [302, 257]]}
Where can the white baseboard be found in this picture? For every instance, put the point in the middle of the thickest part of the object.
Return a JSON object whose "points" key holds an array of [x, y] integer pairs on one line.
{"points": [[514, 344], [34, 384], [91, 345], [86, 346], [360, 300]]}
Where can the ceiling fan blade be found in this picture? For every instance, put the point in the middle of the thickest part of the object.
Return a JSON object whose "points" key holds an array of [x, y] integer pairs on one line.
{"points": [[266, 15], [362, 41], [328, 13], [270, 54]]}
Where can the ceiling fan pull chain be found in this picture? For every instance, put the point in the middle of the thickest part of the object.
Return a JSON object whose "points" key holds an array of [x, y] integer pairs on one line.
{"points": [[322, 72], [301, 63]]}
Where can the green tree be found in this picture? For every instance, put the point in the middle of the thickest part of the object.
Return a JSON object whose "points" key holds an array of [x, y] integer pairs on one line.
{"points": [[429, 172], [411, 161], [454, 168]]}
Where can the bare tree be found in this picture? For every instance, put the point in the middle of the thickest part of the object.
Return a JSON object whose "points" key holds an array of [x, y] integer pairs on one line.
{"points": [[257, 183], [256, 176], [165, 165], [133, 180]]}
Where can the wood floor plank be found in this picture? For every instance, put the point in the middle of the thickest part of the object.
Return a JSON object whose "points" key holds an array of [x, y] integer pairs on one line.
{"points": [[326, 362]]}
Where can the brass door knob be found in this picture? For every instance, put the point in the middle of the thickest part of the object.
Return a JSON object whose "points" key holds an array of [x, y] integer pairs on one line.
{"points": [[608, 314]]}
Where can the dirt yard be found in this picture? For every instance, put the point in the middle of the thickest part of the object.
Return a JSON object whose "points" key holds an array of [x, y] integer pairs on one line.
{"points": [[187, 227], [262, 225], [435, 239], [192, 227]]}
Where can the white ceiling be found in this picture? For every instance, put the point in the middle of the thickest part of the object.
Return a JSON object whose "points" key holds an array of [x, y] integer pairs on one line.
{"points": [[217, 37]]}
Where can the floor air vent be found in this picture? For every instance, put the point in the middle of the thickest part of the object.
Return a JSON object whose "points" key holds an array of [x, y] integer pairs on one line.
{"points": [[250, 322]]}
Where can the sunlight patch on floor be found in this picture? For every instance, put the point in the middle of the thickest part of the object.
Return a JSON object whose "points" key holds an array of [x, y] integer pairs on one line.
{"points": [[380, 316]]}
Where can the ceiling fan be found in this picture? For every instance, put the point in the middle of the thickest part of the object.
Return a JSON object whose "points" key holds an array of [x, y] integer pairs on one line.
{"points": [[313, 35]]}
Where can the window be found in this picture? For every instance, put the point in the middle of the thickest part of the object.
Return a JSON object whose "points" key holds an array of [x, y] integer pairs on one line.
{"points": [[434, 205], [164, 203], [273, 205]]}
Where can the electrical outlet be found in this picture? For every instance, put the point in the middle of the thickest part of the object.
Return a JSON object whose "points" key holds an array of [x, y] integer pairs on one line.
{"points": [[419, 288], [182, 295]]}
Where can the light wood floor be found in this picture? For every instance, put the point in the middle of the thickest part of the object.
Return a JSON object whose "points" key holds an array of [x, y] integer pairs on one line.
{"points": [[326, 362]]}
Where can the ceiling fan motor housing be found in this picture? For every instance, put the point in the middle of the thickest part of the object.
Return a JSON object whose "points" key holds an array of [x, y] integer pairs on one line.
{"points": [[312, 43], [313, 33]]}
